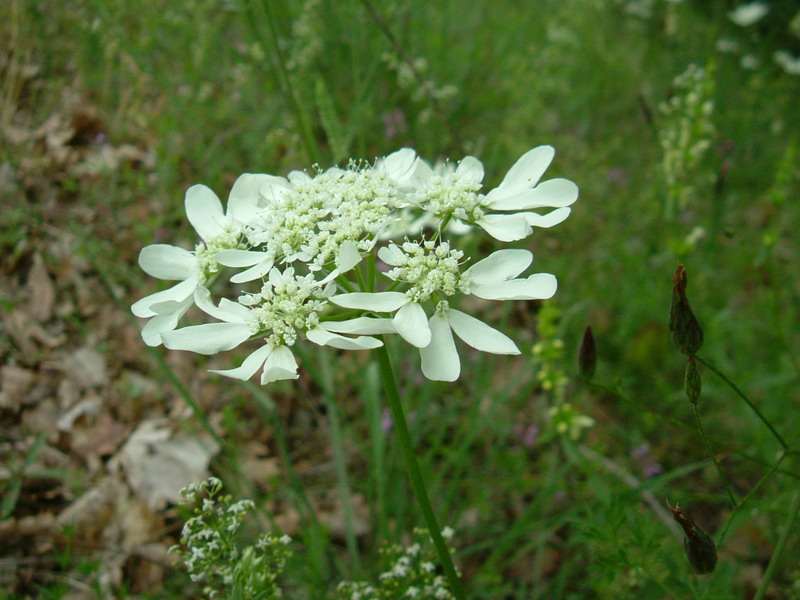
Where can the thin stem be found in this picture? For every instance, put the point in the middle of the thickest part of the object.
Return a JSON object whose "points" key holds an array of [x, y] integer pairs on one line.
{"points": [[712, 454], [414, 473], [776, 556], [749, 494], [747, 400], [304, 127]]}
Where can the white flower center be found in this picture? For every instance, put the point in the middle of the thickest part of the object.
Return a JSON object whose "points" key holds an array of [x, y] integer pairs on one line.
{"points": [[311, 222], [206, 252], [447, 195], [429, 269], [285, 306]]}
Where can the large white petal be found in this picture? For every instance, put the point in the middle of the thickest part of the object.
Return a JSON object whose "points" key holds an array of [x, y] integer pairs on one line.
{"points": [[538, 286], [326, 338], [506, 228], [525, 173], [249, 367], [228, 311], [240, 258], [204, 211], [209, 338], [470, 170], [554, 217], [167, 262], [399, 166], [378, 301], [155, 327], [280, 364], [554, 193], [348, 257], [479, 335], [440, 358], [500, 266], [245, 196], [365, 325], [412, 324], [255, 272], [177, 293], [392, 255]]}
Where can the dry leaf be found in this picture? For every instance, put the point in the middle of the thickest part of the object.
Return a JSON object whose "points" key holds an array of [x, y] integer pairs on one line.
{"points": [[158, 462], [86, 367], [42, 292], [16, 382]]}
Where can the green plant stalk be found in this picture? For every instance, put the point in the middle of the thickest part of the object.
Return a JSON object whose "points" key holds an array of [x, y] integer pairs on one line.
{"points": [[712, 455], [340, 465], [749, 494], [311, 146], [747, 400], [776, 556], [414, 473]]}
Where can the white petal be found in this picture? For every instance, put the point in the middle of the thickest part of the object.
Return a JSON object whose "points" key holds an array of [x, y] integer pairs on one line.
{"points": [[249, 367], [500, 266], [392, 255], [554, 192], [470, 170], [280, 364], [204, 211], [326, 338], [412, 324], [207, 339], [554, 217], [254, 272], [525, 173], [439, 358], [538, 286], [399, 166], [240, 258], [177, 293], [155, 327], [348, 257], [378, 301], [365, 325], [167, 262], [479, 335], [506, 228], [245, 196], [228, 311]]}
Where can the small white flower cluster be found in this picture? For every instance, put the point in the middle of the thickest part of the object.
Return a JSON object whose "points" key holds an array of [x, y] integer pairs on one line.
{"points": [[297, 249], [411, 572], [686, 130], [210, 551]]}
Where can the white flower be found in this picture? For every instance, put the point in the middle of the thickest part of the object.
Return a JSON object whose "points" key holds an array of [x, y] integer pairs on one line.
{"points": [[432, 272], [745, 15], [217, 229], [285, 306], [453, 193], [789, 63]]}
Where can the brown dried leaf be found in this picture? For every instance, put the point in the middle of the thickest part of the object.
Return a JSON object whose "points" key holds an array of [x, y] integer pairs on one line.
{"points": [[16, 382], [86, 367], [42, 292]]}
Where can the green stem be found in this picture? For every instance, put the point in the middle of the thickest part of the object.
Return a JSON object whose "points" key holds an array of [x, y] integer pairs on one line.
{"points": [[414, 473], [776, 556], [749, 494], [712, 454], [741, 395]]}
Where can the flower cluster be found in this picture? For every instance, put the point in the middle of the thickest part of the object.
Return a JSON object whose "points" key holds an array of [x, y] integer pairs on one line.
{"points": [[411, 572], [290, 253], [212, 555]]}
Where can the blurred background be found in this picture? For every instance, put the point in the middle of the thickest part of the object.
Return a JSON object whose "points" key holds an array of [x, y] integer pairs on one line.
{"points": [[677, 119]]}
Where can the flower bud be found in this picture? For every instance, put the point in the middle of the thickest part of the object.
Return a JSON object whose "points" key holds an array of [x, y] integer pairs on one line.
{"points": [[692, 385], [686, 331], [587, 356], [700, 548]]}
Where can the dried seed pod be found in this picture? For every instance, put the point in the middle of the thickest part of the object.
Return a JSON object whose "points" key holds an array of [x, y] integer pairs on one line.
{"points": [[587, 356], [700, 548], [686, 331]]}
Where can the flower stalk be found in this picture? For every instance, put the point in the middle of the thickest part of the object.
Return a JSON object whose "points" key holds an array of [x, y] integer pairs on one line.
{"points": [[414, 472]]}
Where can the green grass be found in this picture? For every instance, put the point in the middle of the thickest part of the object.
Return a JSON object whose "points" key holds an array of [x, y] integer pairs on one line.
{"points": [[199, 84]]}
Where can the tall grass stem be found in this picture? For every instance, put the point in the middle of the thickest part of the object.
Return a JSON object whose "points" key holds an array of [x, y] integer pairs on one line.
{"points": [[414, 473], [776, 556]]}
